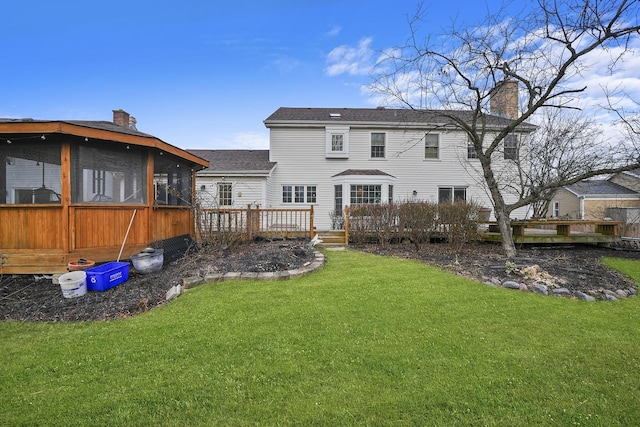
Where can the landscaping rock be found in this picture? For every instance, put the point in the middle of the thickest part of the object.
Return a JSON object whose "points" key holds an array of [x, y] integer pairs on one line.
{"points": [[540, 289], [585, 297], [510, 284], [190, 282], [174, 292]]}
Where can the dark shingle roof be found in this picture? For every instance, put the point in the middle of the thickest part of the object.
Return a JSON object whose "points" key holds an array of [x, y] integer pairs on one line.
{"points": [[94, 124], [366, 172], [599, 187], [391, 116], [235, 160]]}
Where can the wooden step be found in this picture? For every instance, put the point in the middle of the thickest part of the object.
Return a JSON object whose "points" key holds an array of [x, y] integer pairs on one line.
{"points": [[334, 236]]}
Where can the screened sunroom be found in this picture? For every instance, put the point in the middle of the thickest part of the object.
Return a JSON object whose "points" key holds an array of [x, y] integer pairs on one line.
{"points": [[72, 189]]}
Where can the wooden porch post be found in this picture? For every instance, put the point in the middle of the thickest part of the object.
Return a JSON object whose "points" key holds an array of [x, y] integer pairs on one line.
{"points": [[67, 230], [151, 196], [346, 225], [311, 230]]}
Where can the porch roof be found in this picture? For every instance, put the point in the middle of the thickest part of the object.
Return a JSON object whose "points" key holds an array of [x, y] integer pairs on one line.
{"points": [[103, 130]]}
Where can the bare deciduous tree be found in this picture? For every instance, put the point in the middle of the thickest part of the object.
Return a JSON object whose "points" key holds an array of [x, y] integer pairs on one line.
{"points": [[544, 49]]}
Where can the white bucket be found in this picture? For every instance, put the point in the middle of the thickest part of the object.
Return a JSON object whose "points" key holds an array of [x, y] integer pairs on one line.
{"points": [[73, 284]]}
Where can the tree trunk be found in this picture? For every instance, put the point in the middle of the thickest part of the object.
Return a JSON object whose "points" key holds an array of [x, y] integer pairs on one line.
{"points": [[504, 224]]}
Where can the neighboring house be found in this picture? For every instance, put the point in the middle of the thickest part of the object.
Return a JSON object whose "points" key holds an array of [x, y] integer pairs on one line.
{"points": [[629, 179], [234, 178], [592, 199], [334, 157], [101, 190]]}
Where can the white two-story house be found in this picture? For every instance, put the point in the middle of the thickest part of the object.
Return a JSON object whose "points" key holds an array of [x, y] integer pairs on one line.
{"points": [[334, 157]]}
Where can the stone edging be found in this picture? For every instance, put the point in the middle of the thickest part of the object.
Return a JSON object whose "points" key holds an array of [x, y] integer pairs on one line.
{"points": [[193, 281]]}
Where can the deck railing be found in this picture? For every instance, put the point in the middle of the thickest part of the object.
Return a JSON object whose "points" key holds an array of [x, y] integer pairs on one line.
{"points": [[253, 222]]}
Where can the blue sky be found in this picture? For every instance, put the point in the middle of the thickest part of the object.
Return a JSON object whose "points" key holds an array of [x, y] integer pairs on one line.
{"points": [[196, 73]]}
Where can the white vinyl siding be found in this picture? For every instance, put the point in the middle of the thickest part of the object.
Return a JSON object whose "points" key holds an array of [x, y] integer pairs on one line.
{"points": [[300, 154]]}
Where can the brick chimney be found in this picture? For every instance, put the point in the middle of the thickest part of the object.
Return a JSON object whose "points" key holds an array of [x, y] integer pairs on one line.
{"points": [[121, 118], [504, 99]]}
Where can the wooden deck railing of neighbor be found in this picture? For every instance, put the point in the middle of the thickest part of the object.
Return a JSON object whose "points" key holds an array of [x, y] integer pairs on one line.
{"points": [[565, 228], [255, 222]]}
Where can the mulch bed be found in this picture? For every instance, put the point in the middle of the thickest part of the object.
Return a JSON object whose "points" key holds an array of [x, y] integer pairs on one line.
{"points": [[576, 268], [35, 298]]}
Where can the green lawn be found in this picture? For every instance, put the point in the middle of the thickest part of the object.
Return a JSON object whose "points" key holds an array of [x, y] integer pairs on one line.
{"points": [[365, 341]]}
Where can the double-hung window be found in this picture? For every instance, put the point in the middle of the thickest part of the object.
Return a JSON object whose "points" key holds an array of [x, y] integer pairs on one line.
{"points": [[471, 150], [298, 194], [378, 145], [511, 147], [431, 146]]}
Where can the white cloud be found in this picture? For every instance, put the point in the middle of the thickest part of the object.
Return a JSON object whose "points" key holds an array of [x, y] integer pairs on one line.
{"points": [[334, 31], [351, 60]]}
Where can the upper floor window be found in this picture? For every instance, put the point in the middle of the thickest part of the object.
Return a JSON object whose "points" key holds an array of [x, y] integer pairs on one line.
{"points": [[337, 142], [225, 194], [471, 150], [511, 147], [298, 194], [378, 145], [452, 194], [431, 146]]}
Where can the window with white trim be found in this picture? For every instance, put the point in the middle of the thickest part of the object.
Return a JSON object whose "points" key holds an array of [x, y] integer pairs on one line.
{"points": [[225, 194], [390, 193], [511, 147], [471, 150], [337, 142], [298, 194], [378, 145], [556, 209], [452, 194], [431, 146], [365, 194]]}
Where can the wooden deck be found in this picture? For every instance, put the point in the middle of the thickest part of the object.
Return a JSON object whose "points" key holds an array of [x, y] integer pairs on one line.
{"points": [[558, 232]]}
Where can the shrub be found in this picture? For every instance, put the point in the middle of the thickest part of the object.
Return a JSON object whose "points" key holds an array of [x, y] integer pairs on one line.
{"points": [[417, 222], [459, 222]]}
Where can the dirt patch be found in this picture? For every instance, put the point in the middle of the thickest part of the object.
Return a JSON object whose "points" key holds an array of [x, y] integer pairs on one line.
{"points": [[576, 268]]}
